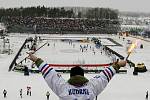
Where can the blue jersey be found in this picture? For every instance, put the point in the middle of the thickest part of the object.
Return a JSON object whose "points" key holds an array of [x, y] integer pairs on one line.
{"points": [[65, 91]]}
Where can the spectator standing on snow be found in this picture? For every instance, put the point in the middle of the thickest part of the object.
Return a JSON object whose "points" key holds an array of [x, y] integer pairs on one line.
{"points": [[20, 93], [5, 93], [101, 52], [28, 90], [96, 98], [77, 87], [146, 95], [47, 95], [94, 52]]}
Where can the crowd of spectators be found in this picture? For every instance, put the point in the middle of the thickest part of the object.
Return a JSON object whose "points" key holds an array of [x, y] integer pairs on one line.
{"points": [[61, 24]]}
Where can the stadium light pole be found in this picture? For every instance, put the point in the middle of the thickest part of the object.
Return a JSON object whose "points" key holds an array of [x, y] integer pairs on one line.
{"points": [[8, 47]]}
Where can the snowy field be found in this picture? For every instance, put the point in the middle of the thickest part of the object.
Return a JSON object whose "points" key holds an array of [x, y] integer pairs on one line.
{"points": [[121, 87]]}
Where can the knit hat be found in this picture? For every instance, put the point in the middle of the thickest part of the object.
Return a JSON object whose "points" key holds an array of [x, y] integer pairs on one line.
{"points": [[76, 71]]}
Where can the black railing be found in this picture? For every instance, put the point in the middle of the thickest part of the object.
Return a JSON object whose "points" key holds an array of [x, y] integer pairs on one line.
{"points": [[15, 58]]}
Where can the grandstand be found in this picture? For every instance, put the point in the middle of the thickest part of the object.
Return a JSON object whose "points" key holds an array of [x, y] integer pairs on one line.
{"points": [[61, 25]]}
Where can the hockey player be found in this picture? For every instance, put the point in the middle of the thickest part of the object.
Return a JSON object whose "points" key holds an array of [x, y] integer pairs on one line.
{"points": [[77, 87]]}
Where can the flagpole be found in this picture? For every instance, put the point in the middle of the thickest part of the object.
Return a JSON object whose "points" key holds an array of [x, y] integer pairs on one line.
{"points": [[33, 52], [128, 55]]}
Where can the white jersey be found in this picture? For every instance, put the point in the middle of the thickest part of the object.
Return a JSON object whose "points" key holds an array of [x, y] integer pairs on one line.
{"points": [[65, 91]]}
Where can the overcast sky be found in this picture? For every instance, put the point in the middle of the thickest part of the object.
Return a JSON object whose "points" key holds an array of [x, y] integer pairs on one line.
{"points": [[121, 5]]}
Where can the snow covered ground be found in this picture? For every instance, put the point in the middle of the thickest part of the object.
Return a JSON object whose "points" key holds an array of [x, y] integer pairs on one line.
{"points": [[121, 87]]}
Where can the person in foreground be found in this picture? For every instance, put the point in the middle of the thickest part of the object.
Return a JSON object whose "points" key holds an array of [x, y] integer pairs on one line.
{"points": [[77, 87]]}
